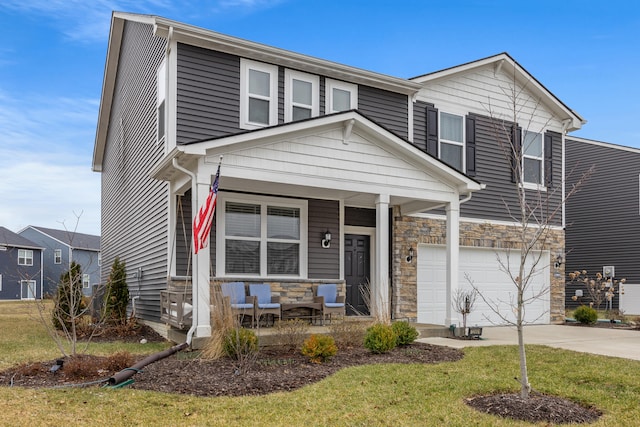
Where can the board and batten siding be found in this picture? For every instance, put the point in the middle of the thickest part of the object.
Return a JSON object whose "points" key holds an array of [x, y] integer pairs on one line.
{"points": [[388, 109], [208, 96], [134, 212], [324, 263], [603, 217]]}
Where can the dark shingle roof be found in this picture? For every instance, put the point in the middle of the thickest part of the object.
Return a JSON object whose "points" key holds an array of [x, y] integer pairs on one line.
{"points": [[14, 240], [73, 239]]}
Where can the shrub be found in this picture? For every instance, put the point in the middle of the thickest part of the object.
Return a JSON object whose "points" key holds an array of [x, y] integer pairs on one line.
{"points": [[319, 348], [586, 315], [79, 367], [68, 299], [291, 333], [405, 333], [348, 333], [240, 342], [380, 338], [118, 361], [117, 295]]}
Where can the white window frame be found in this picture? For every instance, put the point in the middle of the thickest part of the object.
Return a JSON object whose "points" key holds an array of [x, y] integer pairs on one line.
{"points": [[161, 113], [246, 66], [57, 256], [31, 284], [441, 140], [86, 280], [27, 256], [99, 259], [264, 202], [527, 184], [336, 84], [289, 103], [0, 282]]}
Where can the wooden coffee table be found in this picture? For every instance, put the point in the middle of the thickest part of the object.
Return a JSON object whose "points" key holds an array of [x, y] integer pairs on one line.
{"points": [[314, 310]]}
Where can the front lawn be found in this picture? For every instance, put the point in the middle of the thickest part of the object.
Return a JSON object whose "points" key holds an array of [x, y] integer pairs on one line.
{"points": [[376, 395]]}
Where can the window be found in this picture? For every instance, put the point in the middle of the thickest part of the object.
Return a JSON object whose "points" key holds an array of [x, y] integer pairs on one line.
{"points": [[57, 256], [258, 94], [532, 158], [99, 259], [25, 257], [28, 289], [86, 279], [301, 95], [161, 82], [452, 140], [264, 237], [341, 96]]}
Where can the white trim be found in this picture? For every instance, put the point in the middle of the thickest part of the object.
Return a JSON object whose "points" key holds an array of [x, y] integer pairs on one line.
{"points": [[246, 66], [289, 103], [347, 87], [529, 184], [264, 201], [31, 284], [86, 281], [462, 143], [161, 98], [26, 258]]}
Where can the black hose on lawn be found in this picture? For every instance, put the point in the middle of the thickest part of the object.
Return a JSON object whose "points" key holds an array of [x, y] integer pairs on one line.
{"points": [[127, 373]]}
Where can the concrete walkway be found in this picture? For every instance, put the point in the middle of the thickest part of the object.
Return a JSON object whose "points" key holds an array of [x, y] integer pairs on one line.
{"points": [[606, 342]]}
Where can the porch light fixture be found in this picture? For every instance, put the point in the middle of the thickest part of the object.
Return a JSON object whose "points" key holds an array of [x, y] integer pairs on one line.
{"points": [[558, 262], [410, 256], [326, 242]]}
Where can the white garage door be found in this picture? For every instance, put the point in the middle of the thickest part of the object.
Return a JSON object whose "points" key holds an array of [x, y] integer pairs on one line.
{"points": [[483, 269]]}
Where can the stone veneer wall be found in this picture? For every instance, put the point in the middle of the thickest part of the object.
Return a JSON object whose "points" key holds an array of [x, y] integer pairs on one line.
{"points": [[410, 231]]}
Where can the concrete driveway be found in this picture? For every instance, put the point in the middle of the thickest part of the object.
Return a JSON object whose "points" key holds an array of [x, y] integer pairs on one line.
{"points": [[606, 342]]}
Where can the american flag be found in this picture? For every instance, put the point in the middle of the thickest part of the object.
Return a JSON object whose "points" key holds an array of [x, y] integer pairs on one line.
{"points": [[202, 221]]}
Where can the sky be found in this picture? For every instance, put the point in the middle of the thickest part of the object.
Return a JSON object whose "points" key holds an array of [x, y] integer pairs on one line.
{"points": [[53, 52]]}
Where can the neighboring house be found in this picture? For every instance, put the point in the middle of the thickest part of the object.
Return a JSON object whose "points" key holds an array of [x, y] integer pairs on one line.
{"points": [[61, 247], [20, 267], [408, 176], [603, 217]]}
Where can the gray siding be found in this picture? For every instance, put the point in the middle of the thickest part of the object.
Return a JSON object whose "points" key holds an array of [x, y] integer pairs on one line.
{"points": [[208, 98], [386, 108], [324, 263], [134, 215], [184, 234], [13, 274], [360, 217], [602, 218], [420, 125]]}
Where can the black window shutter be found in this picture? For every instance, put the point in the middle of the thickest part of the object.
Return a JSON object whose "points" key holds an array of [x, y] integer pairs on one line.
{"points": [[432, 131], [516, 153], [548, 159], [470, 145]]}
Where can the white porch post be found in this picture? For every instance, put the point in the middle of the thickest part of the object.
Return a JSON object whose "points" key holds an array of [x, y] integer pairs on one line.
{"points": [[201, 267], [453, 262], [380, 291]]}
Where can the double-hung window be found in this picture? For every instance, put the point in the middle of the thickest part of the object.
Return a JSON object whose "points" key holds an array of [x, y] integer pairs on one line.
{"points": [[161, 81], [532, 158], [341, 96], [452, 140], [263, 237], [86, 281], [258, 94], [25, 257], [301, 95], [57, 256]]}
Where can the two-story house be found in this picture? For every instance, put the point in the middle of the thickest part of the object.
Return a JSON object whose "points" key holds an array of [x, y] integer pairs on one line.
{"points": [[409, 177], [21, 274], [61, 248]]}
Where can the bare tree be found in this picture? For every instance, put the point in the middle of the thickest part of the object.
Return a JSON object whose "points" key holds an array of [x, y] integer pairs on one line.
{"points": [[535, 210]]}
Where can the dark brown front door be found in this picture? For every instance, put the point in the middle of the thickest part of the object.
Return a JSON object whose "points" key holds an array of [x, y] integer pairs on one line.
{"points": [[356, 272]]}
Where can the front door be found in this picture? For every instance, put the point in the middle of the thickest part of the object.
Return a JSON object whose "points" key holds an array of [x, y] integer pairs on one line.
{"points": [[356, 272]]}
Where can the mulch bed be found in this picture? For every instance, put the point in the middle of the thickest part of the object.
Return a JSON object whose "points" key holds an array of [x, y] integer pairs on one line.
{"points": [[278, 370]]}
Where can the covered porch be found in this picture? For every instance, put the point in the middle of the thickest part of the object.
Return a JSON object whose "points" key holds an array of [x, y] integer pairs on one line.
{"points": [[283, 189]]}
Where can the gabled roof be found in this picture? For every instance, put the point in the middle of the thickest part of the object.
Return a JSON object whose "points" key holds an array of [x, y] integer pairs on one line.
{"points": [[72, 239], [196, 36], [14, 240], [503, 61]]}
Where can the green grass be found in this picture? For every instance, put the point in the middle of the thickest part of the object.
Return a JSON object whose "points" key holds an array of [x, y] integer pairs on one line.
{"points": [[376, 395]]}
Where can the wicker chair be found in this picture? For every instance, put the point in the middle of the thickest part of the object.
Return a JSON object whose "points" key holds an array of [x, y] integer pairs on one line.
{"points": [[264, 303], [235, 297], [332, 303]]}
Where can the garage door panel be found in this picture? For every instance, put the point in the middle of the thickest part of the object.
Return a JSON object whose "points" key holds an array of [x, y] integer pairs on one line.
{"points": [[482, 267]]}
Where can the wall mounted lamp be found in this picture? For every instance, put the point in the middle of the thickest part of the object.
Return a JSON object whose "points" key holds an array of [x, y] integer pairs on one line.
{"points": [[410, 256], [326, 242], [559, 261]]}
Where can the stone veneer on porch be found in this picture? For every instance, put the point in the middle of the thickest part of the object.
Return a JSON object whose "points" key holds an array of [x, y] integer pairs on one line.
{"points": [[410, 231]]}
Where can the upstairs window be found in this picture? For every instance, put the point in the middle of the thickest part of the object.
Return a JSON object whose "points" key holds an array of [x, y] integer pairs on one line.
{"points": [[341, 96], [258, 94], [532, 158], [161, 80], [301, 95], [86, 279], [452, 140], [25, 257], [57, 256]]}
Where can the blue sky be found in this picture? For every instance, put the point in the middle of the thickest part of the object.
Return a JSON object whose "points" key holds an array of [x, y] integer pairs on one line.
{"points": [[53, 53]]}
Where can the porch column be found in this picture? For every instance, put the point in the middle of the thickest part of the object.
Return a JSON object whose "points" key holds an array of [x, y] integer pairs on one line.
{"points": [[201, 266], [453, 262], [380, 291]]}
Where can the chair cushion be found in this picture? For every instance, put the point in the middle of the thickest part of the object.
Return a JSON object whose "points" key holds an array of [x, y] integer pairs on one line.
{"points": [[329, 292], [269, 305], [334, 304], [262, 292], [235, 291], [243, 306]]}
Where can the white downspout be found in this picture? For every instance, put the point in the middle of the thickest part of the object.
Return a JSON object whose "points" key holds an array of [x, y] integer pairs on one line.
{"points": [[194, 260]]}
